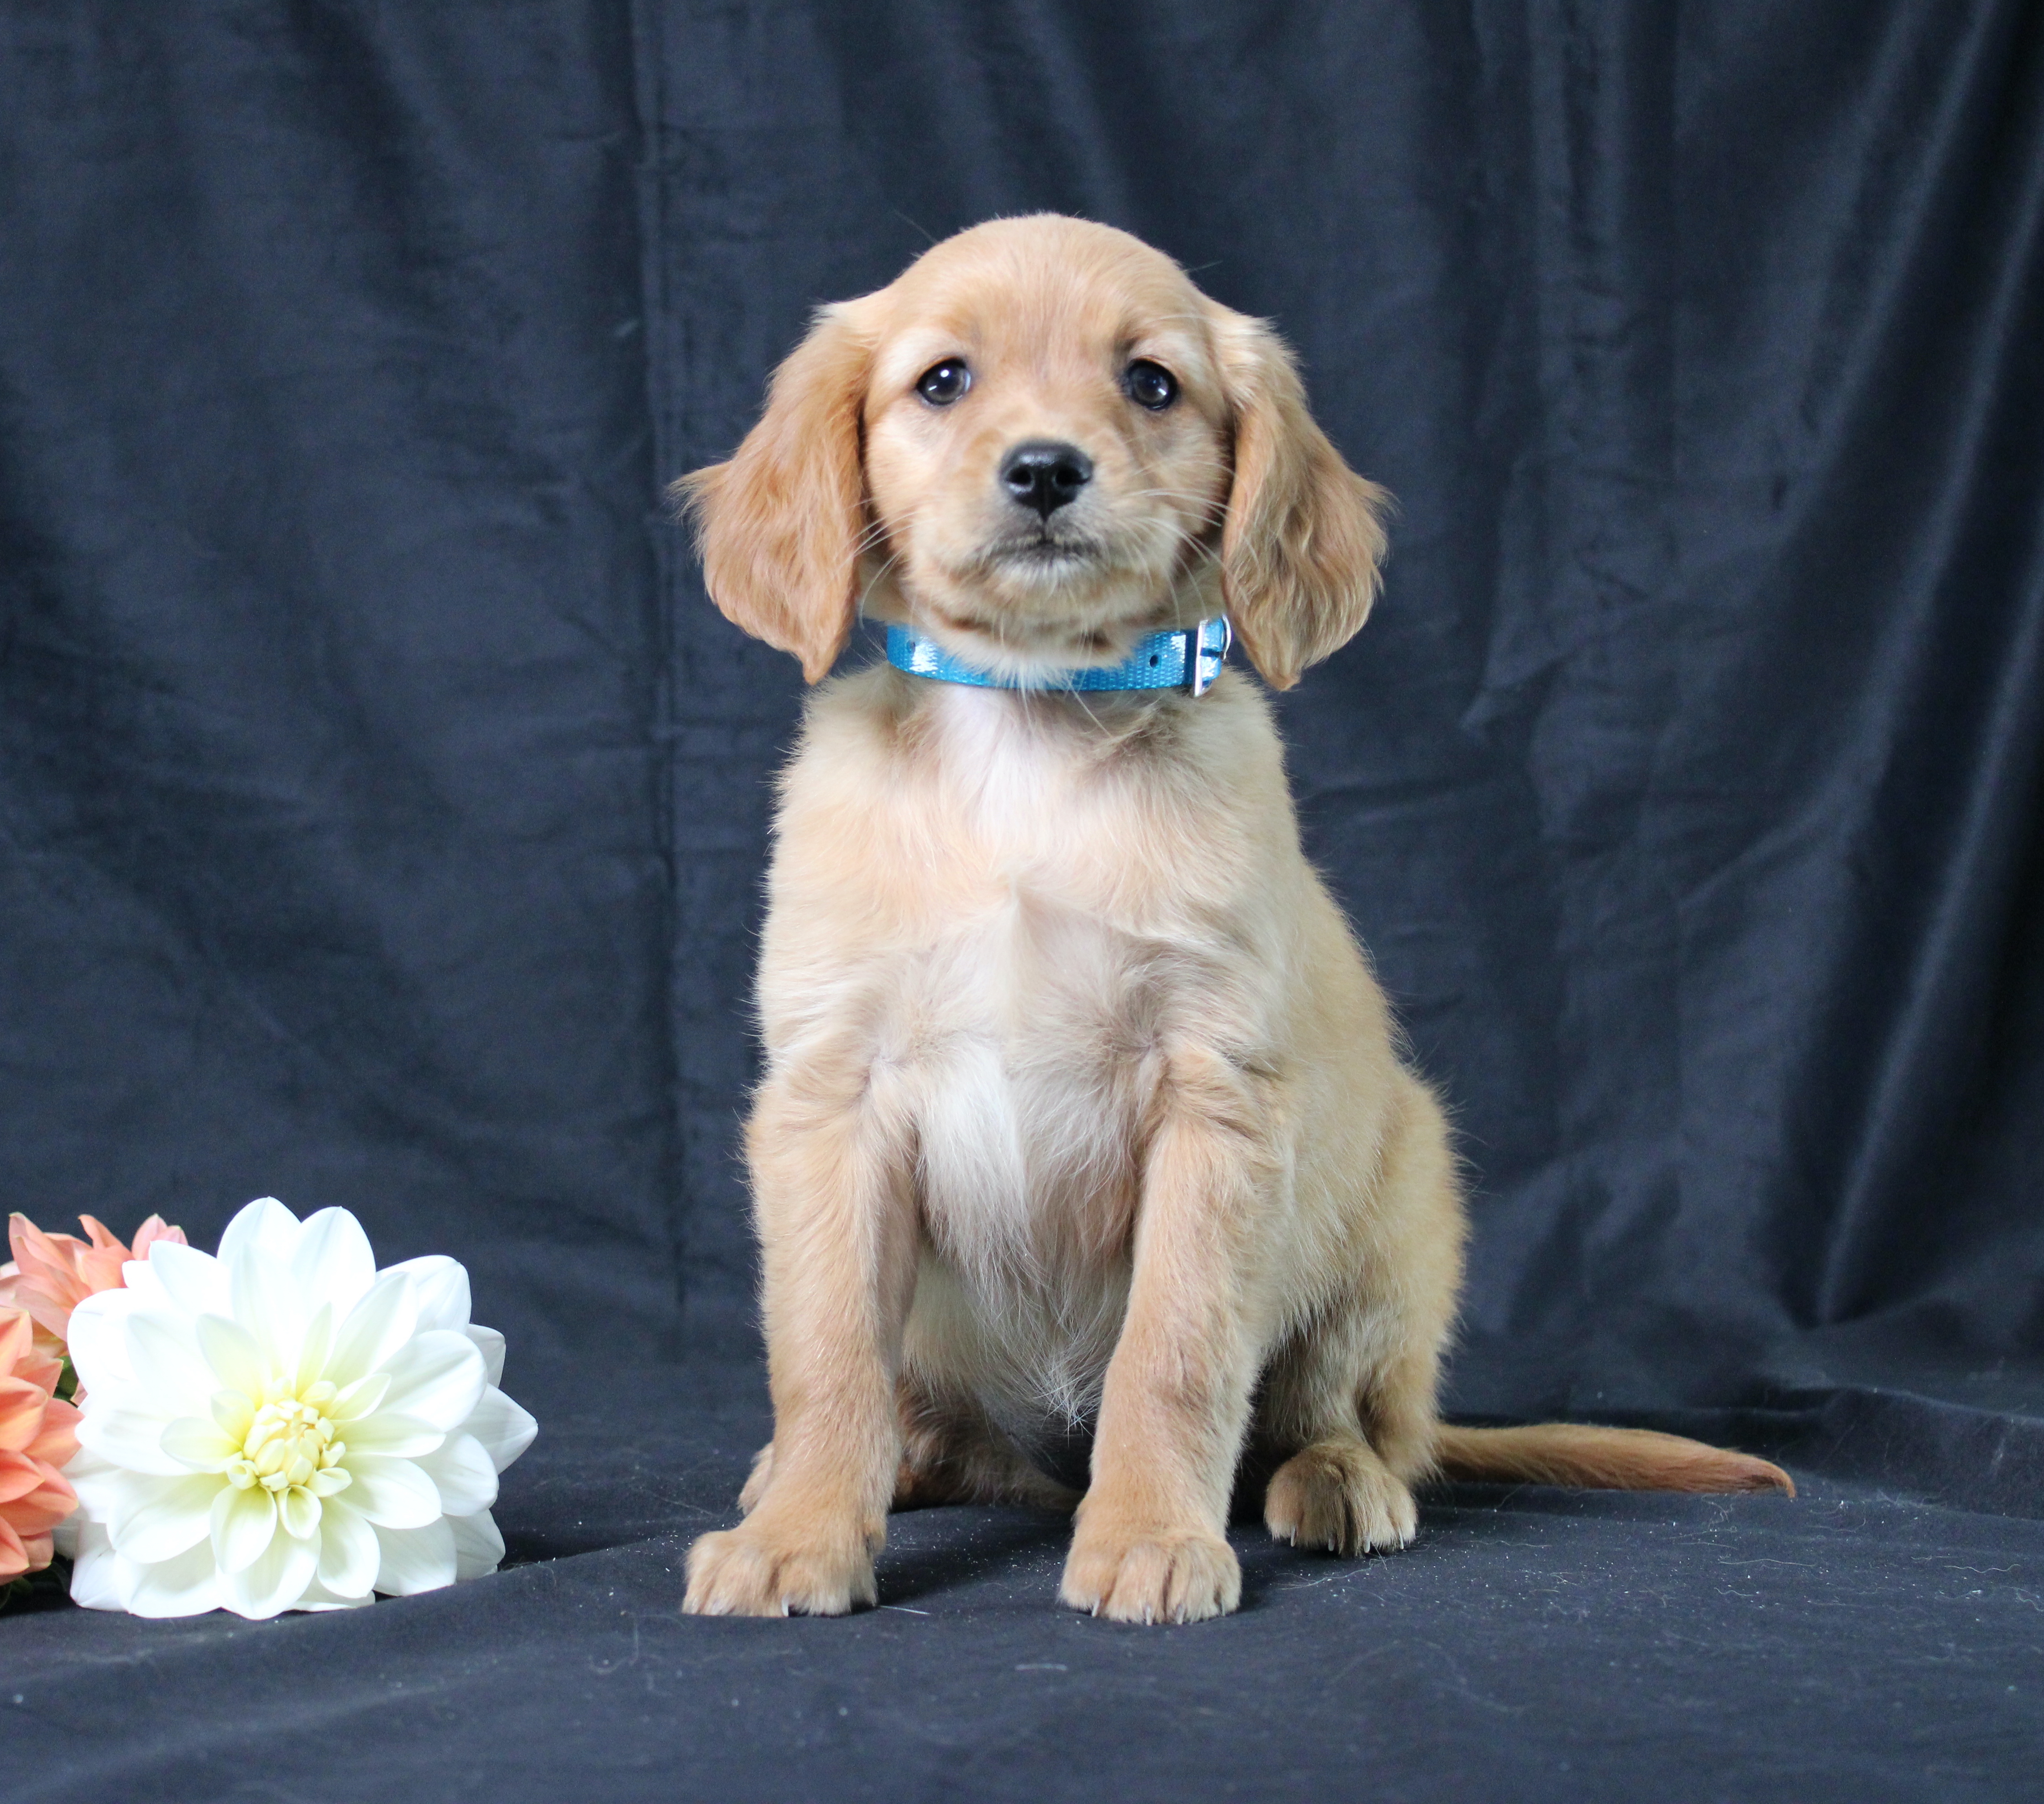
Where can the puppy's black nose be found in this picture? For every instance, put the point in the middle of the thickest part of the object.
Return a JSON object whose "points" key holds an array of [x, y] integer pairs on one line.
{"points": [[1045, 475]]}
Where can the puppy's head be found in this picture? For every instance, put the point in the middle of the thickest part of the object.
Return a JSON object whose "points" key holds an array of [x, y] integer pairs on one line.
{"points": [[1037, 444]]}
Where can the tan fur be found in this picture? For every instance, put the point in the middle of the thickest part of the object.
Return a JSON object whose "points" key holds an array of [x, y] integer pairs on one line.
{"points": [[791, 505], [1081, 1106], [1607, 1459]]}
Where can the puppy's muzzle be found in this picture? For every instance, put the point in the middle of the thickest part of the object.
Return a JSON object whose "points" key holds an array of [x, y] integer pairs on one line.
{"points": [[1045, 475]]}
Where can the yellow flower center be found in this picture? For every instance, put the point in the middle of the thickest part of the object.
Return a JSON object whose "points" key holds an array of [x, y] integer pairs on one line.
{"points": [[290, 1442]]}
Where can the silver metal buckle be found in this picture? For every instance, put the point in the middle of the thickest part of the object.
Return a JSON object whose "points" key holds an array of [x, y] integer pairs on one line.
{"points": [[1199, 677]]}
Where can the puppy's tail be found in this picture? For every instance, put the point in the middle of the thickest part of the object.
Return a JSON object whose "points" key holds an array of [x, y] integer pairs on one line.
{"points": [[1600, 1459]]}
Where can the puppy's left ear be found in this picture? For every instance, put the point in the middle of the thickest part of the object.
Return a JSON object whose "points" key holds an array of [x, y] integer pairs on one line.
{"points": [[1304, 534], [779, 526]]}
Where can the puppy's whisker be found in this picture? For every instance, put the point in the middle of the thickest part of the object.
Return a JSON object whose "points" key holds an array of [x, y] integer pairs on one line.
{"points": [[877, 578]]}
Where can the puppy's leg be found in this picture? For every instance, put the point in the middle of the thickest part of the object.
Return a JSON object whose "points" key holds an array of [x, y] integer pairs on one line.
{"points": [[952, 1453], [1150, 1544], [830, 1171], [1333, 1489], [1348, 1404]]}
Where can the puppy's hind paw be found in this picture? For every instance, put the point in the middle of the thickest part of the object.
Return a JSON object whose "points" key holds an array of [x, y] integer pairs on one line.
{"points": [[1153, 1577], [1339, 1495], [743, 1572]]}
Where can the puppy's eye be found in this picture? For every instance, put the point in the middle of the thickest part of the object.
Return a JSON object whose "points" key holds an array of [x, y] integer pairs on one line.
{"points": [[944, 382], [1151, 385]]}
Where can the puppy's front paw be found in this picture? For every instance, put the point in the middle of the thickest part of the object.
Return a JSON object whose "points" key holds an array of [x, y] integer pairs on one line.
{"points": [[755, 1484], [749, 1571], [1339, 1495], [1135, 1574]]}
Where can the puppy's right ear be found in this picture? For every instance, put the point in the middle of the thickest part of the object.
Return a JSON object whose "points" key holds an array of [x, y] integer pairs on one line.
{"points": [[778, 527], [1304, 534]]}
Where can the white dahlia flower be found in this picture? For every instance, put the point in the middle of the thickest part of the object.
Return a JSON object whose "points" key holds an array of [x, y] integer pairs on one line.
{"points": [[283, 1426]]}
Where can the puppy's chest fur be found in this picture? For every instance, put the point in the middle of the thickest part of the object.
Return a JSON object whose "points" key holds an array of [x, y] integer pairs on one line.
{"points": [[1014, 906], [1029, 1086]]}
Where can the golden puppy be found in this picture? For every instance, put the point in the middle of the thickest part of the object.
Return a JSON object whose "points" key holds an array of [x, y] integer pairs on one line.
{"points": [[1081, 1108]]}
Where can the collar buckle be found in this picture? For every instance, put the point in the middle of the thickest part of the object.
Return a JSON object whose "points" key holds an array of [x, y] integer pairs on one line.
{"points": [[1206, 653]]}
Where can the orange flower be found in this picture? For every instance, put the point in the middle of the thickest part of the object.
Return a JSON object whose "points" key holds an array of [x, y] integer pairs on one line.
{"points": [[37, 1435], [52, 1273]]}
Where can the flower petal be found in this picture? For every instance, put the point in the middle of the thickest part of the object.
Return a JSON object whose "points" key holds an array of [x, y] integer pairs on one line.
{"points": [[440, 1284], [504, 1429], [22, 1407], [127, 1438], [243, 1524], [332, 1262], [233, 1414], [231, 1350], [98, 1577], [349, 1555], [58, 1439], [266, 1303], [49, 1261], [376, 1327], [113, 1496], [199, 1443], [195, 1282], [46, 1503], [275, 1581], [97, 1482], [266, 1223], [98, 1347], [393, 1494], [188, 1586], [416, 1560], [316, 1596], [298, 1510], [172, 1516], [361, 1398], [479, 1549], [490, 1344], [397, 1437], [462, 1472], [16, 1556], [148, 1290], [154, 1229], [315, 1346], [437, 1375], [163, 1352], [20, 1475]]}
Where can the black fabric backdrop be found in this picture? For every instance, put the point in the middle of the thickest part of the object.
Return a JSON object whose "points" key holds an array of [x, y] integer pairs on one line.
{"points": [[382, 810]]}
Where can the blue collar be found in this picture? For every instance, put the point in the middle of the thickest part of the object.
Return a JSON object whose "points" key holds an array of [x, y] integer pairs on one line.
{"points": [[1187, 658]]}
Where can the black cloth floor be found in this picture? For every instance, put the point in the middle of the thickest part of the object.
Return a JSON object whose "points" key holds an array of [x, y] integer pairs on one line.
{"points": [[382, 811], [1860, 1643]]}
